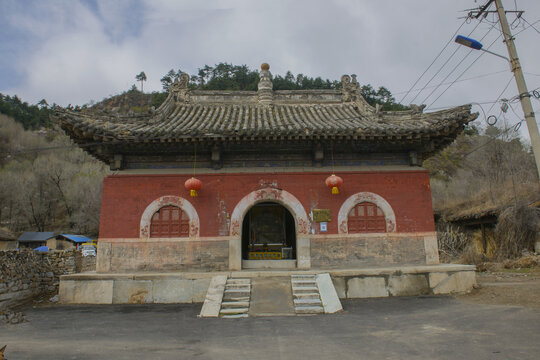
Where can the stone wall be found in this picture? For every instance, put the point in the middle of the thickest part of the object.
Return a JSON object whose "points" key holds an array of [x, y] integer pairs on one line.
{"points": [[126, 255], [27, 274]]}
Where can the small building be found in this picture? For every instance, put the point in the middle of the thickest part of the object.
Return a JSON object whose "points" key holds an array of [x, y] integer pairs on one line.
{"points": [[8, 241], [67, 241], [34, 239], [263, 161]]}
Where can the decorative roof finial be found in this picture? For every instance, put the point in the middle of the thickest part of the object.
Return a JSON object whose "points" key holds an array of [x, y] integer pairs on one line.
{"points": [[265, 85]]}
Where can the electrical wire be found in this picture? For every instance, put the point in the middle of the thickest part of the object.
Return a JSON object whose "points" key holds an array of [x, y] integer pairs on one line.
{"points": [[471, 78], [455, 68], [530, 25], [433, 62], [442, 66], [462, 73]]}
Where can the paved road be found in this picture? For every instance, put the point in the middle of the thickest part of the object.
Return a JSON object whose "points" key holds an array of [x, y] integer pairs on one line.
{"points": [[391, 328]]}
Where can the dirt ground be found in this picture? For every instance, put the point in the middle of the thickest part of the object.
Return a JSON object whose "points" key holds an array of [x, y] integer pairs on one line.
{"points": [[519, 287]]}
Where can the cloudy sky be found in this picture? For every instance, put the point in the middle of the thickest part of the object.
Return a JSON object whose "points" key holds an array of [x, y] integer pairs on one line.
{"points": [[75, 51]]}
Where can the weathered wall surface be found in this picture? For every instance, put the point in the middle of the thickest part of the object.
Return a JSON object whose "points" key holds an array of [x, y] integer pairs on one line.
{"points": [[135, 255], [26, 274], [335, 251], [125, 197]]}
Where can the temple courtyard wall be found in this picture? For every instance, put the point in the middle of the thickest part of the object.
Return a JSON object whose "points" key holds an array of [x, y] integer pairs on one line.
{"points": [[216, 214]]}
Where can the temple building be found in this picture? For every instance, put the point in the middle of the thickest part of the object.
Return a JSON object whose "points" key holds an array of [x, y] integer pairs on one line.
{"points": [[289, 179]]}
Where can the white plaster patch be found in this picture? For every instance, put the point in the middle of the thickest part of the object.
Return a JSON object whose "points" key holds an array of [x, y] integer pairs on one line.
{"points": [[361, 197], [166, 200]]}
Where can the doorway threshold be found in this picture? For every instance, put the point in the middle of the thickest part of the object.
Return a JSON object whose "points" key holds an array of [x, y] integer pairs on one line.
{"points": [[268, 264]]}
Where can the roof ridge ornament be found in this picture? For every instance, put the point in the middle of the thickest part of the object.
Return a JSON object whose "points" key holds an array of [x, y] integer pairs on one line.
{"points": [[179, 88], [351, 93], [265, 86]]}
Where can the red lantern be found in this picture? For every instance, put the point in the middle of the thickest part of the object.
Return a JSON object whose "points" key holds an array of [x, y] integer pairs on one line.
{"points": [[193, 185], [334, 182]]}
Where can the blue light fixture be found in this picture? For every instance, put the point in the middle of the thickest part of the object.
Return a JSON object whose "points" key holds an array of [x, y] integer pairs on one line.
{"points": [[468, 42]]}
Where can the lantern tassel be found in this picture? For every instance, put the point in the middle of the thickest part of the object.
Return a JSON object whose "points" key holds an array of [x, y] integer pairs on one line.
{"points": [[335, 190], [193, 193]]}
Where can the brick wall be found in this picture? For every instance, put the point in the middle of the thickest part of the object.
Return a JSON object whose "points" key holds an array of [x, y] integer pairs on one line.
{"points": [[26, 274], [125, 197]]}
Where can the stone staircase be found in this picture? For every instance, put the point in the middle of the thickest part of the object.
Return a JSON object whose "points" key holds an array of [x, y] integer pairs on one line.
{"points": [[236, 298], [306, 297], [270, 296]]}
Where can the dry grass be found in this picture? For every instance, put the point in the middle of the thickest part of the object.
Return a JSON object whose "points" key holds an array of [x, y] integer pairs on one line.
{"points": [[487, 202], [516, 231]]}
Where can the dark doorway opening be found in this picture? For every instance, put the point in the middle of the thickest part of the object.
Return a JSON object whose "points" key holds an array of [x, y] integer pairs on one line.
{"points": [[268, 233]]}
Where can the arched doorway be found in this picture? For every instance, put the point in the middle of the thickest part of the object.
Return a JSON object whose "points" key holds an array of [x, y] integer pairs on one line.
{"points": [[268, 233]]}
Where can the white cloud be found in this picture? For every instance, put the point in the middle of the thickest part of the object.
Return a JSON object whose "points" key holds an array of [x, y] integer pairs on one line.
{"points": [[79, 52]]}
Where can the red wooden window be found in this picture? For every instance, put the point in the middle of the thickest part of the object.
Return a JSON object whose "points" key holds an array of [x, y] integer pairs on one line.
{"points": [[169, 221], [366, 217]]}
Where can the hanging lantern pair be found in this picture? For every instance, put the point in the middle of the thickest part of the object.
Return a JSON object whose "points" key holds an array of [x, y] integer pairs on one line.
{"points": [[334, 182], [193, 185]]}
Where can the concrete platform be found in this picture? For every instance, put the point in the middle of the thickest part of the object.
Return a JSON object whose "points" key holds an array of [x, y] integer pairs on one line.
{"points": [[191, 287]]}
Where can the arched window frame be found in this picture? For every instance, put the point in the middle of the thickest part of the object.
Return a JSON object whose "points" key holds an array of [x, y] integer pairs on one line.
{"points": [[370, 197], [146, 218]]}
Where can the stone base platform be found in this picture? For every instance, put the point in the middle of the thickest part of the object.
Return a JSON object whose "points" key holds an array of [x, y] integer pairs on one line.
{"points": [[184, 287]]}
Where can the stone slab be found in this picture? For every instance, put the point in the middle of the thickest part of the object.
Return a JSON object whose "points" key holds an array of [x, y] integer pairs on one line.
{"points": [[132, 292], [408, 285], [173, 291], [341, 287], [458, 282], [366, 287], [214, 296], [200, 287], [86, 292], [329, 296], [271, 296]]}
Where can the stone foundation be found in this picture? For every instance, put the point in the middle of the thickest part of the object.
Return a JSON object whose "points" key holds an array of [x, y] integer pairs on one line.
{"points": [[192, 287], [127, 255]]}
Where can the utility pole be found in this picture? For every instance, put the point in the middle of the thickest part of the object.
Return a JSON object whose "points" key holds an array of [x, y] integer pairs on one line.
{"points": [[524, 95]]}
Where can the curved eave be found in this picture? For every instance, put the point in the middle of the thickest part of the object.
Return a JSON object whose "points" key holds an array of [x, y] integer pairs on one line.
{"points": [[297, 123]]}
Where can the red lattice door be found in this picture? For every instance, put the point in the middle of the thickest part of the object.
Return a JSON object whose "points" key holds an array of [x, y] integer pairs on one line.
{"points": [[366, 217], [169, 221]]}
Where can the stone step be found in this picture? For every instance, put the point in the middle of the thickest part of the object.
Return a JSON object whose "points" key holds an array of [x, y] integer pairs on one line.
{"points": [[304, 289], [235, 298], [307, 302], [234, 311], [306, 296], [230, 291], [309, 309], [238, 281], [234, 316], [234, 304], [303, 283], [301, 276], [238, 286]]}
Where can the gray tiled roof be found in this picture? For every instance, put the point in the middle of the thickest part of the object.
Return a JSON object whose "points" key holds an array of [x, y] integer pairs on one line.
{"points": [[224, 116]]}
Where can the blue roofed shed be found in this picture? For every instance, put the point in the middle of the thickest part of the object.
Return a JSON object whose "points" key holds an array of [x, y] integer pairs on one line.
{"points": [[67, 241]]}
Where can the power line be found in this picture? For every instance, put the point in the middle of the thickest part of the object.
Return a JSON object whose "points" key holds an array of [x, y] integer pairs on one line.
{"points": [[468, 67], [433, 62], [531, 25], [471, 78], [442, 66], [455, 68]]}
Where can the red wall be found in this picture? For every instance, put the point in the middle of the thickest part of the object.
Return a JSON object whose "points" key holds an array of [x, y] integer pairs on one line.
{"points": [[125, 197]]}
